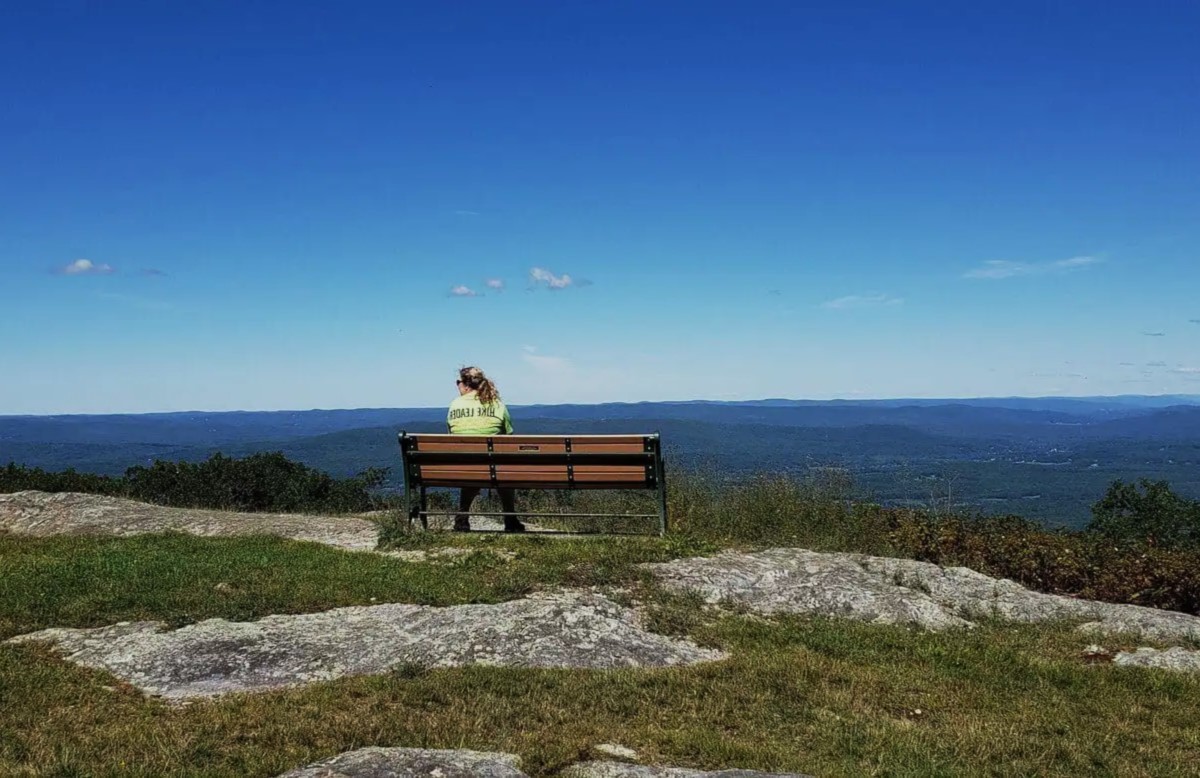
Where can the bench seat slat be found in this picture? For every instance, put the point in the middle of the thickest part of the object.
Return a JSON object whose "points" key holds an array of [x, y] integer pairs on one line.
{"points": [[432, 438], [543, 447], [542, 474], [526, 457]]}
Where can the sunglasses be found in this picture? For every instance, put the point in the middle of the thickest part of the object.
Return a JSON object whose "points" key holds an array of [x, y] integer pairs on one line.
{"points": [[459, 382]]}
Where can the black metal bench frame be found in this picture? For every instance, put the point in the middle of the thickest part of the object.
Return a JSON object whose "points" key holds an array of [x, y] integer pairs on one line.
{"points": [[649, 459]]}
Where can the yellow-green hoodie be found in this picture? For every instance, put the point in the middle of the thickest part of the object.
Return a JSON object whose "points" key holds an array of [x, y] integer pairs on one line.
{"points": [[468, 416]]}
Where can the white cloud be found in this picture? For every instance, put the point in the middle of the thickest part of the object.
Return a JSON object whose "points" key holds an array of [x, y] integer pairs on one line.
{"points": [[542, 277], [996, 269], [1187, 370], [870, 300], [495, 283], [83, 267], [1074, 262], [463, 291], [1155, 334]]}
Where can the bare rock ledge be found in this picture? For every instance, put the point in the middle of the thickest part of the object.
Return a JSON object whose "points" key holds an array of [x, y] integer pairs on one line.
{"points": [[623, 770], [396, 762], [564, 629], [1177, 659], [899, 591], [69, 513]]}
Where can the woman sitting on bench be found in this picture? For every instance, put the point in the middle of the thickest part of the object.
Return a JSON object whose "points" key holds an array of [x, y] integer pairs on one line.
{"points": [[478, 410]]}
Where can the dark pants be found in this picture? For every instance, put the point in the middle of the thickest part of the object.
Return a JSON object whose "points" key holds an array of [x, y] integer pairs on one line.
{"points": [[467, 496]]}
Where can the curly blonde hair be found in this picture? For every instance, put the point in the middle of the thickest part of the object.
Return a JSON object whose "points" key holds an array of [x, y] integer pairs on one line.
{"points": [[474, 379]]}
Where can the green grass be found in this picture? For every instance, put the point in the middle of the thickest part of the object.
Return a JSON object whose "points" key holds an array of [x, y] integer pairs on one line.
{"points": [[816, 696], [88, 581]]}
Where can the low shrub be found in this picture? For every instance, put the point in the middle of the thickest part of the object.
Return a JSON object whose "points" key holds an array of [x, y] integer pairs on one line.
{"points": [[1079, 564], [18, 478], [260, 482]]}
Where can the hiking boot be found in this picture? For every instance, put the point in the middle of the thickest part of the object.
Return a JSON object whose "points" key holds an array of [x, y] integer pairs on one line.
{"points": [[512, 525], [462, 525]]}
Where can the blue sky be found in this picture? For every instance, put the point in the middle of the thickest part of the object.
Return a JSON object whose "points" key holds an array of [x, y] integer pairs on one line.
{"points": [[272, 205]]}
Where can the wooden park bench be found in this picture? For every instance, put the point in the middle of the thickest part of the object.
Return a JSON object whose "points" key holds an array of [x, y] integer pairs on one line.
{"points": [[532, 462]]}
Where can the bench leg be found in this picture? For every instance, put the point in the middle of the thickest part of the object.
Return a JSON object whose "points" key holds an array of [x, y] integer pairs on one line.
{"points": [[662, 508]]}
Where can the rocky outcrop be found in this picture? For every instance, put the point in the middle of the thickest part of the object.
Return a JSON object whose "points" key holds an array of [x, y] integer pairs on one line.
{"points": [[623, 770], [1180, 660], [899, 591], [398, 762], [44, 514], [567, 629]]}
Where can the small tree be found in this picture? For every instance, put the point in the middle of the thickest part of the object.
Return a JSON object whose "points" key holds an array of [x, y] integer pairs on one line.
{"points": [[1147, 512]]}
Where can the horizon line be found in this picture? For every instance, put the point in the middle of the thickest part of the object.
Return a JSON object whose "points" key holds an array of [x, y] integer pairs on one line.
{"points": [[1193, 398]]}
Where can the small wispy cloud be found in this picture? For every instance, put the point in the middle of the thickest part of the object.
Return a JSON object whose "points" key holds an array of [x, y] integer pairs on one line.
{"points": [[1187, 370], [547, 366], [1127, 364], [463, 291], [540, 276], [465, 212], [1155, 334], [85, 267], [1156, 364], [134, 301], [495, 283], [997, 269], [1074, 262], [152, 272], [870, 300]]}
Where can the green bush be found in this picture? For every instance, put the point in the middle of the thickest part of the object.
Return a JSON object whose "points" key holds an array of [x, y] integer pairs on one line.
{"points": [[18, 478], [260, 482], [1154, 516]]}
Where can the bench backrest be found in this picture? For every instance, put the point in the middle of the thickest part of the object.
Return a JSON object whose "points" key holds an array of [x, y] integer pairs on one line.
{"points": [[533, 461]]}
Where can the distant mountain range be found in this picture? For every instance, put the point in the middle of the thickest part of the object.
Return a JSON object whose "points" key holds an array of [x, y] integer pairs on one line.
{"points": [[1048, 458]]}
